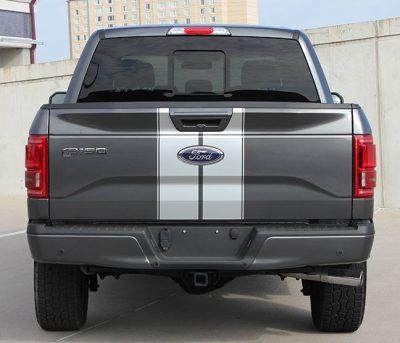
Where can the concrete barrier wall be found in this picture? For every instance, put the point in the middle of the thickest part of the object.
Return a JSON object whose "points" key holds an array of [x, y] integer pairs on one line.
{"points": [[22, 91], [362, 62]]}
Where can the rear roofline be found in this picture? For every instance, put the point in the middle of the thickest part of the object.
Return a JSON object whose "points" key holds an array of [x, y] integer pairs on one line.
{"points": [[162, 30], [236, 31]]}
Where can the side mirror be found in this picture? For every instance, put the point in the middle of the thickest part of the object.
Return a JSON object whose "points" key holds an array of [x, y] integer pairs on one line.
{"points": [[57, 98], [337, 98]]}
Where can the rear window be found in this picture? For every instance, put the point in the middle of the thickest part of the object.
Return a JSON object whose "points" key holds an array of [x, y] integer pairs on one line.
{"points": [[188, 68]]}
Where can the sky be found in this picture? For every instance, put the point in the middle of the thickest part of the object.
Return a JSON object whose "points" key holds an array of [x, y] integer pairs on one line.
{"points": [[52, 18]]}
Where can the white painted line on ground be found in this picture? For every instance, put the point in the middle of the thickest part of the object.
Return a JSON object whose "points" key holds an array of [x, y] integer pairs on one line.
{"points": [[12, 234], [147, 305], [63, 339]]}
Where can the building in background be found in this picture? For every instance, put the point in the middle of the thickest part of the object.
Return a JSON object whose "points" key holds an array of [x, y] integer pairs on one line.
{"points": [[87, 16], [17, 32]]}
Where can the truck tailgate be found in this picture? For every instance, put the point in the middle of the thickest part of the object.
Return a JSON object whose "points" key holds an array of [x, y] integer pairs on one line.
{"points": [[111, 162]]}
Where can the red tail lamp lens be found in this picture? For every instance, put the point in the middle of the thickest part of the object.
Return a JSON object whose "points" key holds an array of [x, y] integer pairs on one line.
{"points": [[36, 164], [364, 151]]}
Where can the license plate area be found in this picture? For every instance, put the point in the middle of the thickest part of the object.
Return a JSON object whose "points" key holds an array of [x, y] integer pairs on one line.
{"points": [[202, 242]]}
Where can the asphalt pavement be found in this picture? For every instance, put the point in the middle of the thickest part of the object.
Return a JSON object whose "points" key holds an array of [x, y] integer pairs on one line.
{"points": [[154, 309]]}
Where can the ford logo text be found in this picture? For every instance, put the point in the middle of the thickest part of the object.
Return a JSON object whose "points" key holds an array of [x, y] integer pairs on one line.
{"points": [[201, 155]]}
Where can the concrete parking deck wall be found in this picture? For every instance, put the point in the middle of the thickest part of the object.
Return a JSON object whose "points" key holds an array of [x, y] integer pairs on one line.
{"points": [[362, 62], [22, 91]]}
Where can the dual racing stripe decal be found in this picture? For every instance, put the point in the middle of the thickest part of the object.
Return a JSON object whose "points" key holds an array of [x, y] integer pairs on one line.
{"points": [[190, 192]]}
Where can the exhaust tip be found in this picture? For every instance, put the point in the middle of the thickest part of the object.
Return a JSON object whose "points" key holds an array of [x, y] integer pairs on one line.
{"points": [[336, 276]]}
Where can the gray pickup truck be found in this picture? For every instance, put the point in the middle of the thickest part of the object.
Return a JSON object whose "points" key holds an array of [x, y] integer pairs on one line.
{"points": [[202, 154]]}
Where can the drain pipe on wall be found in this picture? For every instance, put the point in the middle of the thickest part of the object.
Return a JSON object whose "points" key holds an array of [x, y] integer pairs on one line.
{"points": [[33, 29]]}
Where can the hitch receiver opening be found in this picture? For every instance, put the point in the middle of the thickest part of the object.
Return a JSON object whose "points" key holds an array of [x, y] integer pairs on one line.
{"points": [[200, 279]]}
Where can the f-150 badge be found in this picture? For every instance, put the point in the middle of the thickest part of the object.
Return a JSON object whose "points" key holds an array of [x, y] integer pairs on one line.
{"points": [[201, 155], [69, 152]]}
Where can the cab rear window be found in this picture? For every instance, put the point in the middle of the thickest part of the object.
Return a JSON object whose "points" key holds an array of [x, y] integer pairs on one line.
{"points": [[198, 68]]}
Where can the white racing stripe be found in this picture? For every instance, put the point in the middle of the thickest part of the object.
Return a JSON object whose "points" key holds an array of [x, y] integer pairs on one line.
{"points": [[177, 181], [12, 234], [223, 181]]}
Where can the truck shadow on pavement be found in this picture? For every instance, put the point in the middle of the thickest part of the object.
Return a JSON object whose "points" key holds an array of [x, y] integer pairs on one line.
{"points": [[145, 308]]}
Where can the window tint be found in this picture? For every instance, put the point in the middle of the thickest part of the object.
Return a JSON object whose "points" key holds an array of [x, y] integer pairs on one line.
{"points": [[199, 72], [188, 68]]}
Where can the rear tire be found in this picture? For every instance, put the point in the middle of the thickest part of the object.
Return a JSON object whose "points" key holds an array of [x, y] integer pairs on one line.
{"points": [[337, 308], [61, 297]]}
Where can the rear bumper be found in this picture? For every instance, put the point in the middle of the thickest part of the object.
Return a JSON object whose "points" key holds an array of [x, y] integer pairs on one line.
{"points": [[136, 247]]}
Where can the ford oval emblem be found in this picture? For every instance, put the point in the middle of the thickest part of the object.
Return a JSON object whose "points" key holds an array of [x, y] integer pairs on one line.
{"points": [[201, 155]]}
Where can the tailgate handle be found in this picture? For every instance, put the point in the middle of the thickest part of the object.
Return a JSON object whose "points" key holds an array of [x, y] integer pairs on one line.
{"points": [[200, 122]]}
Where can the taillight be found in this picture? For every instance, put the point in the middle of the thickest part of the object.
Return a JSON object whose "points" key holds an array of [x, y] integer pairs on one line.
{"points": [[36, 164], [364, 156], [199, 31]]}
